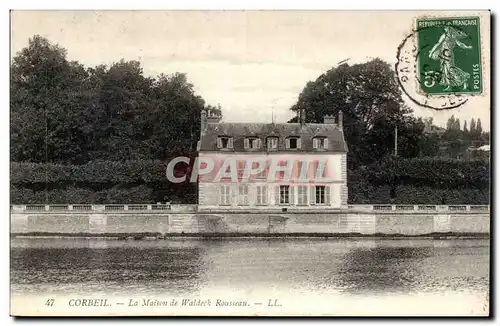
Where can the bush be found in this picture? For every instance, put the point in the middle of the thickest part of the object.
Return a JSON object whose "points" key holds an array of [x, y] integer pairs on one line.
{"points": [[136, 195], [436, 172], [407, 194], [91, 172], [414, 181], [421, 180]]}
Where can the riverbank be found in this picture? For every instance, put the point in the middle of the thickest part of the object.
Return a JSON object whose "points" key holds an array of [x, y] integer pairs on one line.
{"points": [[216, 236], [170, 221]]}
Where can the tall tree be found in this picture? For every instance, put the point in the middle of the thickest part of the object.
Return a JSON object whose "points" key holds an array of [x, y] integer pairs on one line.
{"points": [[450, 123], [472, 128], [465, 127], [479, 128], [429, 145], [371, 102], [63, 112], [47, 94], [123, 102]]}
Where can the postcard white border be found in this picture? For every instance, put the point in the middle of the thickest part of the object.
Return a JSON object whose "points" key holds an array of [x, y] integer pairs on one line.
{"points": [[185, 4]]}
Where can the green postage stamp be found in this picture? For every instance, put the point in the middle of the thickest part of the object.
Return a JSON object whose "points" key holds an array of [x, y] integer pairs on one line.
{"points": [[449, 55]]}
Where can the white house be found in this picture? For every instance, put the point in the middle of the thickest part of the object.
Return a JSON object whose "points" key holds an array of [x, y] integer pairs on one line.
{"points": [[308, 146]]}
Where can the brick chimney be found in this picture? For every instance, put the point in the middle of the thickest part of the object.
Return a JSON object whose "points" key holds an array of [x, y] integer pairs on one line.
{"points": [[213, 118], [203, 125], [329, 120], [341, 118]]}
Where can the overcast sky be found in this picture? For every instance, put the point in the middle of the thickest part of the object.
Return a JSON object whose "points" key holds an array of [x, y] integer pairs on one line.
{"points": [[249, 62]]}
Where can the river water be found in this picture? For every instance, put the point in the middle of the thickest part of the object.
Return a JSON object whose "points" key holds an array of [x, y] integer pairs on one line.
{"points": [[305, 276]]}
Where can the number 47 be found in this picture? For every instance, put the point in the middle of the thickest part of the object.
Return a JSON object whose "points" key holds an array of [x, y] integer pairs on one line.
{"points": [[50, 302]]}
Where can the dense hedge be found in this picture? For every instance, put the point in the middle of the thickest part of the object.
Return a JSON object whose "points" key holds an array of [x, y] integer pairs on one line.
{"points": [[92, 172], [429, 172], [140, 195], [97, 182], [395, 180], [407, 194], [424, 171]]}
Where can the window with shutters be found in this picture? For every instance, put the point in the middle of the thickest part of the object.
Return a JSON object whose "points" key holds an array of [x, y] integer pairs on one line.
{"points": [[302, 195], [225, 195], [252, 143], [261, 195], [284, 194], [293, 143], [320, 143], [243, 195], [224, 142], [320, 195], [272, 143]]}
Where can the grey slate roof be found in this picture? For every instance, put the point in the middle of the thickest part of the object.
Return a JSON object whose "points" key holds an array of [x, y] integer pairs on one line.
{"points": [[239, 131]]}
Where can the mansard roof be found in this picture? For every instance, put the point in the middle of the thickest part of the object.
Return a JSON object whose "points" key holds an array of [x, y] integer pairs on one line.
{"points": [[307, 131]]}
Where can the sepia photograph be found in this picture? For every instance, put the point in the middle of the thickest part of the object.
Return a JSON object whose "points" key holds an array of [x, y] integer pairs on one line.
{"points": [[250, 163]]}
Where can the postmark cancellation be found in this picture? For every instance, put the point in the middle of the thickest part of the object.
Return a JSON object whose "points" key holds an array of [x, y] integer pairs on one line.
{"points": [[440, 64]]}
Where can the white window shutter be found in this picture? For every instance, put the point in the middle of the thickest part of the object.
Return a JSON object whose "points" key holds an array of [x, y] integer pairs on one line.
{"points": [[328, 199], [230, 142], [325, 144], [291, 199], [247, 143], [312, 198], [258, 143], [299, 142], [222, 195], [262, 195], [276, 195], [219, 142], [315, 142], [211, 196], [234, 195], [288, 143], [333, 195]]}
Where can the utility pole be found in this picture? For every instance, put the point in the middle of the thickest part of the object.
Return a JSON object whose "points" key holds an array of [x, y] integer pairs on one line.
{"points": [[396, 141], [273, 103]]}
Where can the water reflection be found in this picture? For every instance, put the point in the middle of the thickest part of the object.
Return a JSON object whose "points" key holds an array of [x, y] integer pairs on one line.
{"points": [[141, 266], [303, 265], [382, 269]]}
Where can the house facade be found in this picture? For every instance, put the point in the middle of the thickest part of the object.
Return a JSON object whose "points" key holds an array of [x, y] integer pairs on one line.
{"points": [[273, 166]]}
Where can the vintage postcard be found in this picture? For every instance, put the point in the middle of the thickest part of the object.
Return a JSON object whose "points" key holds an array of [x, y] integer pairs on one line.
{"points": [[250, 163]]}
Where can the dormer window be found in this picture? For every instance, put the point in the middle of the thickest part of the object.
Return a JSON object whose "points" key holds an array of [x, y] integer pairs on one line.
{"points": [[272, 143], [320, 143], [224, 142], [252, 143], [293, 143]]}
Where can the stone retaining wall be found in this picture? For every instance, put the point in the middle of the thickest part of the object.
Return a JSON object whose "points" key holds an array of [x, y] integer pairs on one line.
{"points": [[260, 223]]}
